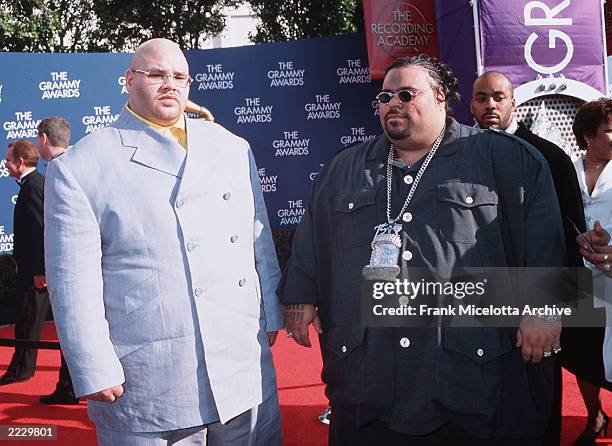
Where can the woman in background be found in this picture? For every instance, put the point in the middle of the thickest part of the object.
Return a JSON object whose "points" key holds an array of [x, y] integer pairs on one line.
{"points": [[593, 130]]}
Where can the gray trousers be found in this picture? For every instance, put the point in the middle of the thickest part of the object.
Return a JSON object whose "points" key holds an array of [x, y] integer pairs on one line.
{"points": [[260, 426]]}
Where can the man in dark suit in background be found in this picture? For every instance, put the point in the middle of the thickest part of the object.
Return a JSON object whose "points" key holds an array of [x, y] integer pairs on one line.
{"points": [[493, 106], [52, 141], [28, 252]]}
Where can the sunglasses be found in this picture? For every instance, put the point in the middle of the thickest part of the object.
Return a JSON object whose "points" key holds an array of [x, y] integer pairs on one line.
{"points": [[384, 97]]}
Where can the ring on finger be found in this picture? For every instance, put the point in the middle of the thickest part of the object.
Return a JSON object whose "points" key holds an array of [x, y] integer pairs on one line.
{"points": [[289, 334], [605, 257], [547, 354], [557, 349], [607, 267]]}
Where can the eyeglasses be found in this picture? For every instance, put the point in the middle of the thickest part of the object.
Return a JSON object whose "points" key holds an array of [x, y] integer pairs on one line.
{"points": [[159, 77], [384, 97]]}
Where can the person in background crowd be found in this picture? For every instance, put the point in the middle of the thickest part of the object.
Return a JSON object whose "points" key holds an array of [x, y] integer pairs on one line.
{"points": [[445, 196], [593, 131], [28, 252], [493, 106], [162, 271], [52, 141]]}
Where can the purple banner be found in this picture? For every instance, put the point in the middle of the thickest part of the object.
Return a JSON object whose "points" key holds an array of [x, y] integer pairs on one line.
{"points": [[523, 38]]}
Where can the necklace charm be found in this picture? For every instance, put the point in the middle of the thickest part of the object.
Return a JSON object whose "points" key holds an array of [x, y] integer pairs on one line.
{"points": [[385, 253]]}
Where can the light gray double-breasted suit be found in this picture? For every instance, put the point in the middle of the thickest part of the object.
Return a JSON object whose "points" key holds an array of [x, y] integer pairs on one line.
{"points": [[162, 274]]}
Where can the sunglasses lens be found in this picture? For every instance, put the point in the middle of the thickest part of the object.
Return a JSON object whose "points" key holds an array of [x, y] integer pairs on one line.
{"points": [[384, 97], [405, 96]]}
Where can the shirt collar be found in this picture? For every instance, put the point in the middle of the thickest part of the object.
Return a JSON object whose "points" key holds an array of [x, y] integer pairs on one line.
{"points": [[58, 154], [176, 131], [26, 173], [380, 149], [511, 128]]}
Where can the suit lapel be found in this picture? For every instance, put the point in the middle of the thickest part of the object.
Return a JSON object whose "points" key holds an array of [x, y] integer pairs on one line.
{"points": [[152, 149], [202, 158]]}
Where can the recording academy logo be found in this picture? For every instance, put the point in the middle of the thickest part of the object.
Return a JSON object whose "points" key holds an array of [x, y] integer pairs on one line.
{"points": [[322, 108], [291, 145], [215, 78], [357, 134], [6, 240], [121, 82], [60, 86], [22, 127], [268, 182], [286, 76], [253, 111], [292, 214], [101, 118], [353, 73]]}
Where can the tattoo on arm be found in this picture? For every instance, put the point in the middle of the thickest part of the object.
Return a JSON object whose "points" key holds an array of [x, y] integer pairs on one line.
{"points": [[294, 313]]}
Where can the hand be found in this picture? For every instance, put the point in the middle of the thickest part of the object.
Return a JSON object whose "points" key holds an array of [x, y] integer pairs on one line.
{"points": [[107, 395], [600, 239], [272, 337], [297, 319], [40, 282], [536, 336]]}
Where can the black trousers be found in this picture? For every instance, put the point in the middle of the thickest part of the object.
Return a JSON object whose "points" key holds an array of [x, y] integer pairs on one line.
{"points": [[64, 382], [33, 309], [552, 436], [343, 432]]}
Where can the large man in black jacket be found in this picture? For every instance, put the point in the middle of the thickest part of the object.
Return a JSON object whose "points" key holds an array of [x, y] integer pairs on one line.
{"points": [[493, 105], [436, 196], [28, 252]]}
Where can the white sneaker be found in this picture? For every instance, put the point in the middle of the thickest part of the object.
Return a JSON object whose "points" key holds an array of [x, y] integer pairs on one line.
{"points": [[324, 417]]}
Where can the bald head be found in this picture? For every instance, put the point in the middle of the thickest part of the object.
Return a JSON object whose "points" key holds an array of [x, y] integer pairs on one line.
{"points": [[153, 92], [493, 100], [152, 49]]}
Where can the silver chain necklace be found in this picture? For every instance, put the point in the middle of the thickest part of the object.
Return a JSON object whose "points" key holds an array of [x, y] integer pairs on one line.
{"points": [[387, 241], [415, 183]]}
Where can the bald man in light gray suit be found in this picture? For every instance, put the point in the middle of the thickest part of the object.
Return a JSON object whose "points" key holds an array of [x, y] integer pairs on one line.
{"points": [[162, 271]]}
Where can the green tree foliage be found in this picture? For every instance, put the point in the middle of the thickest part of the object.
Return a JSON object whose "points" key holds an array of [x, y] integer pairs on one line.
{"points": [[107, 25], [126, 23], [44, 25], [283, 20]]}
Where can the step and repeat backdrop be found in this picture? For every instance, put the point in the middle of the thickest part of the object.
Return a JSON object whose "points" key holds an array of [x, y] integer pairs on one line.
{"points": [[297, 103]]}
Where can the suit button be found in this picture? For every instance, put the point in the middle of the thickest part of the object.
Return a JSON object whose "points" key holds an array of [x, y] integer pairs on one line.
{"points": [[227, 196], [405, 342], [408, 179], [241, 282], [351, 205], [407, 217], [480, 352], [191, 246], [198, 292], [344, 349], [469, 200], [234, 238], [178, 203], [407, 256]]}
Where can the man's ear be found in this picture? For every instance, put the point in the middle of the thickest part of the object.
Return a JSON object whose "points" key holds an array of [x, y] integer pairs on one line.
{"points": [[440, 97], [129, 77]]}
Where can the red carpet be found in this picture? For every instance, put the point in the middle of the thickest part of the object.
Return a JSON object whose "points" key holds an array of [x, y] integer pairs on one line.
{"points": [[300, 391]]}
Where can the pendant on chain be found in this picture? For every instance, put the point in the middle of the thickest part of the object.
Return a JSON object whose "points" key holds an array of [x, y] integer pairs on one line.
{"points": [[385, 253]]}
